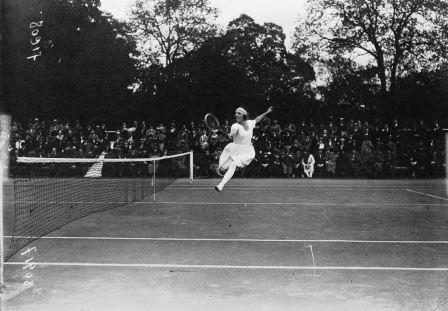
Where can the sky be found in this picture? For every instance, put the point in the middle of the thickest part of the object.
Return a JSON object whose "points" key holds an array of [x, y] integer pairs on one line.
{"points": [[282, 12]]}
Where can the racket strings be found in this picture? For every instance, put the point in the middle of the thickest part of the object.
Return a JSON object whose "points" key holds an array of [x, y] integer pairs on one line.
{"points": [[212, 122]]}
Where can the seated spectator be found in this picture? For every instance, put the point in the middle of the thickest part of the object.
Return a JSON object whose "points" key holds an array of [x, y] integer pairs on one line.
{"points": [[308, 164], [320, 144], [391, 151]]}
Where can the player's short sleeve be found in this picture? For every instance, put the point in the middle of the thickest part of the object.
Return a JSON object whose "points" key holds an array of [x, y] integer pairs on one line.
{"points": [[234, 129], [251, 123]]}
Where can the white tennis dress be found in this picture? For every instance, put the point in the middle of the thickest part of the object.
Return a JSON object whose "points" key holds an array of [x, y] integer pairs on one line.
{"points": [[240, 150]]}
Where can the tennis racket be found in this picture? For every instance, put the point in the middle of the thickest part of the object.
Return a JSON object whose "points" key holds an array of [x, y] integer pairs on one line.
{"points": [[212, 123]]}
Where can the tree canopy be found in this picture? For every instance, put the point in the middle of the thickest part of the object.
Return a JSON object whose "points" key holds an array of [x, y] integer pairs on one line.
{"points": [[168, 29], [396, 36]]}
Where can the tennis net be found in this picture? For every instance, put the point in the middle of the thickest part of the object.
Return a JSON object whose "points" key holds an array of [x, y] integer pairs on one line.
{"points": [[52, 192]]}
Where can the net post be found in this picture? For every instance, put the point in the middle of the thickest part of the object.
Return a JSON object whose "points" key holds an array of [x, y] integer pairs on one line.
{"points": [[445, 130], [191, 167], [1, 226], [154, 179], [4, 144]]}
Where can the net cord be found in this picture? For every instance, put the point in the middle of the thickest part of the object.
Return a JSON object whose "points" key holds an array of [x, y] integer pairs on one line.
{"points": [[96, 160], [82, 160]]}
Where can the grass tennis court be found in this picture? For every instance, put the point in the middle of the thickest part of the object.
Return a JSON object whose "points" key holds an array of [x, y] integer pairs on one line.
{"points": [[377, 245]]}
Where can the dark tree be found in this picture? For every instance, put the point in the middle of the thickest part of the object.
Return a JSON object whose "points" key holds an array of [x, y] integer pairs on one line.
{"points": [[246, 66], [66, 59]]}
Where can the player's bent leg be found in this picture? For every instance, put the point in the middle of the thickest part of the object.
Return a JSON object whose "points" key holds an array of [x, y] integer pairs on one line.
{"points": [[227, 176], [224, 166]]}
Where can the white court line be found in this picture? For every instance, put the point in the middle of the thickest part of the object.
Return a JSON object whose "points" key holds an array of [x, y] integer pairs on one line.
{"points": [[237, 203], [174, 266], [291, 203], [427, 194], [233, 240], [298, 188]]}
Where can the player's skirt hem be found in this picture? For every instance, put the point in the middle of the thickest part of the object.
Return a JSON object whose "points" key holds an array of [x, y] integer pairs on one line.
{"points": [[241, 154]]}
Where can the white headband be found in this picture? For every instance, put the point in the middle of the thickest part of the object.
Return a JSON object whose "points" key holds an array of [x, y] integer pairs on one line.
{"points": [[242, 111]]}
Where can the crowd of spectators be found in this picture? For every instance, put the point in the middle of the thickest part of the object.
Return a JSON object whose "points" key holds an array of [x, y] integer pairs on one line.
{"points": [[336, 148]]}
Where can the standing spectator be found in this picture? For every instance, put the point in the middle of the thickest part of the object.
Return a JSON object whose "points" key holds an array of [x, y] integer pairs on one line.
{"points": [[390, 164], [413, 162], [320, 163], [265, 164], [182, 137], [213, 145], [379, 162], [353, 162], [366, 157], [297, 168], [396, 130], [342, 169], [287, 161], [330, 163], [437, 132], [203, 140]]}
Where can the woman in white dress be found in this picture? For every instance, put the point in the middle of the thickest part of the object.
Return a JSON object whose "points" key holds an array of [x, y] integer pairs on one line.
{"points": [[240, 152], [308, 167]]}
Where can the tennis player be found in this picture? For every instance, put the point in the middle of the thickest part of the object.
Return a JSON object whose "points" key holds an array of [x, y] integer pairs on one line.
{"points": [[240, 152]]}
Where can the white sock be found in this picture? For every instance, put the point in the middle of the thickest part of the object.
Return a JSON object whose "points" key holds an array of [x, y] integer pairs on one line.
{"points": [[228, 175]]}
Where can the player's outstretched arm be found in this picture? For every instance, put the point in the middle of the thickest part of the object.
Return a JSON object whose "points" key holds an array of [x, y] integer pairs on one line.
{"points": [[261, 116]]}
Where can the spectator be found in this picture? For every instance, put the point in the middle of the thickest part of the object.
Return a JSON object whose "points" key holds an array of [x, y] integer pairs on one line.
{"points": [[353, 163], [203, 140], [308, 164], [379, 162], [330, 163], [384, 152], [287, 161], [366, 158], [320, 163]]}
